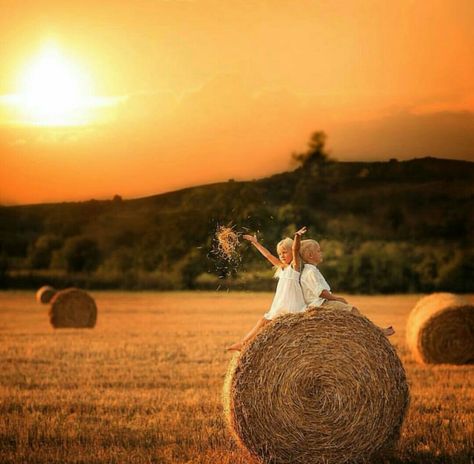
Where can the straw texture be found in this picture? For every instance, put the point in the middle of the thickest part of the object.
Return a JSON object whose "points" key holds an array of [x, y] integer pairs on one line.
{"points": [[322, 386], [227, 242], [45, 294], [440, 329], [73, 308]]}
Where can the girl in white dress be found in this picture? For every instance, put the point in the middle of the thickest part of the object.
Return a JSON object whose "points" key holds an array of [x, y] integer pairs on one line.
{"points": [[289, 295]]}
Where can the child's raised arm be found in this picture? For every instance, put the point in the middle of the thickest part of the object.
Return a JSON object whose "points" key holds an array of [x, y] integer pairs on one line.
{"points": [[296, 263], [253, 240]]}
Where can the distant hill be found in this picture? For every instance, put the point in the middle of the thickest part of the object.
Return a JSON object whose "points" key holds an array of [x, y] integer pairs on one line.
{"points": [[385, 226]]}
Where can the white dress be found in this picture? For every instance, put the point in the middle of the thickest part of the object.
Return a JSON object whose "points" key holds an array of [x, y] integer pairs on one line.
{"points": [[289, 295]]}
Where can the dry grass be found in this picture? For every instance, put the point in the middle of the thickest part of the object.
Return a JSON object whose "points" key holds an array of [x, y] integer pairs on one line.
{"points": [[145, 385], [227, 240]]}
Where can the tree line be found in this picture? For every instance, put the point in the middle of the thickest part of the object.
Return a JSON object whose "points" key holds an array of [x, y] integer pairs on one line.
{"points": [[384, 227]]}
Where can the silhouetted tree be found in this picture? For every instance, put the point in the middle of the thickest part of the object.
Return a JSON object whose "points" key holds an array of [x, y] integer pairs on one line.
{"points": [[312, 184], [315, 154]]}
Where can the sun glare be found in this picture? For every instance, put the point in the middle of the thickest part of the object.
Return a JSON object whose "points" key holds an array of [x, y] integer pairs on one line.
{"points": [[53, 90]]}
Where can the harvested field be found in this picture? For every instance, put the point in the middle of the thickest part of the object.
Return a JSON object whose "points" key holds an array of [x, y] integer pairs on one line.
{"points": [[145, 385]]}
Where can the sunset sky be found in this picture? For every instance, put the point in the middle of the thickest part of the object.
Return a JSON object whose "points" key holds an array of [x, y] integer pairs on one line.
{"points": [[143, 97]]}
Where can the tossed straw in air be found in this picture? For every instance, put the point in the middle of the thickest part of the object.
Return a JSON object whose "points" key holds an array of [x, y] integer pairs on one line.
{"points": [[227, 243]]}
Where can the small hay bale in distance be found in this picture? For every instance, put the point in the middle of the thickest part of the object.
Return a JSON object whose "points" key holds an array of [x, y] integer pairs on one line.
{"points": [[440, 329], [45, 294], [73, 308], [322, 386]]}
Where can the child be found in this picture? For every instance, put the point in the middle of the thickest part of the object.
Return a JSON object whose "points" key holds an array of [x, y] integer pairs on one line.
{"points": [[289, 295], [316, 290]]}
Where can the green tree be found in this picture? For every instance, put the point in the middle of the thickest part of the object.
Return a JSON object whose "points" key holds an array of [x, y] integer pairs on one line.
{"points": [[121, 260], [41, 252], [81, 254], [3, 268], [456, 275], [190, 267]]}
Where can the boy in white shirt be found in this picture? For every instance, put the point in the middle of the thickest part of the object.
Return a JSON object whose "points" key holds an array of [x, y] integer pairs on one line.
{"points": [[316, 290]]}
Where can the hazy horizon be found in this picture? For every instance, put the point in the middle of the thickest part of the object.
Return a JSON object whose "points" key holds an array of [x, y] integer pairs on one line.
{"points": [[104, 99], [151, 194]]}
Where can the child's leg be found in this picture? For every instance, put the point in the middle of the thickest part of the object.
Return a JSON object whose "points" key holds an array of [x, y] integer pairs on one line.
{"points": [[338, 305], [387, 331], [238, 346]]}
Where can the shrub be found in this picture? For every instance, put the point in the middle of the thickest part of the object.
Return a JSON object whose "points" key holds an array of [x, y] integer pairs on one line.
{"points": [[81, 254]]}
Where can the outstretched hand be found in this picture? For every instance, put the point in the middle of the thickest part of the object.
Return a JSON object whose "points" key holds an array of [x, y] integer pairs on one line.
{"points": [[302, 231], [251, 238]]}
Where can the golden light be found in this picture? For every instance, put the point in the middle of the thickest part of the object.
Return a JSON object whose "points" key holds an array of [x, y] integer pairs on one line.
{"points": [[53, 91]]}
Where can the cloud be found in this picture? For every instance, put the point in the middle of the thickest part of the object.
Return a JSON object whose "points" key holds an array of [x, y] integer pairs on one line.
{"points": [[230, 127], [444, 134], [146, 106], [462, 102]]}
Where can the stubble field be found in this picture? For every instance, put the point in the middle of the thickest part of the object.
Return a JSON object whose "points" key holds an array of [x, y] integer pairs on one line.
{"points": [[145, 385]]}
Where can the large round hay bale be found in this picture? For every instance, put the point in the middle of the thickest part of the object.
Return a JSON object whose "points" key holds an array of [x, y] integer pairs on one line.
{"points": [[45, 294], [440, 329], [73, 308], [323, 386]]}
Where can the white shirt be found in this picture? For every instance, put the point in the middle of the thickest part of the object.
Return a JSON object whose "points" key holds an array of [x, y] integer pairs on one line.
{"points": [[313, 283]]}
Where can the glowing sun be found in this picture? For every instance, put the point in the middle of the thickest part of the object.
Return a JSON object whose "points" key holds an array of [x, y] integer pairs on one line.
{"points": [[53, 90]]}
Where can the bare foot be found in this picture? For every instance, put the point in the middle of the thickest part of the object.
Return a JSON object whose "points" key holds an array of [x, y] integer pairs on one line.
{"points": [[388, 331], [235, 347]]}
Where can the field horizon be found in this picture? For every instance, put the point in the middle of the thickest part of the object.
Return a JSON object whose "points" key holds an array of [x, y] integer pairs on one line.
{"points": [[144, 386]]}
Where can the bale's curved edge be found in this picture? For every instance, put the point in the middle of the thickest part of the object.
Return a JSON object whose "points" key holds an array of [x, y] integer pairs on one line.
{"points": [[302, 394], [45, 294], [440, 329], [228, 407], [73, 308]]}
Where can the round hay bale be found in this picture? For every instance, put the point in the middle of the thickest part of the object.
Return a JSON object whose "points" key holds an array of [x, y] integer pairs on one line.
{"points": [[440, 329], [322, 386], [72, 308], [45, 294]]}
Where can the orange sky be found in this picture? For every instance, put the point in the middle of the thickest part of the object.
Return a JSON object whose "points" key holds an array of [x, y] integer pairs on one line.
{"points": [[202, 91]]}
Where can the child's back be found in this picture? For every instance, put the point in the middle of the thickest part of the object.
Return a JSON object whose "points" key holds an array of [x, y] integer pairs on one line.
{"points": [[316, 290], [313, 283]]}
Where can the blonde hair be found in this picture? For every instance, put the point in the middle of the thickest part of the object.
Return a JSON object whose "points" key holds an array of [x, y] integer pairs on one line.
{"points": [[307, 248], [287, 243]]}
